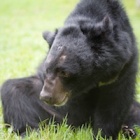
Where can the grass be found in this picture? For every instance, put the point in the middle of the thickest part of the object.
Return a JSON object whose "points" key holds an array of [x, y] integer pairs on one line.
{"points": [[22, 48]]}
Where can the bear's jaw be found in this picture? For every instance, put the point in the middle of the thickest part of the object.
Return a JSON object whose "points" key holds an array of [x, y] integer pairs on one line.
{"points": [[63, 101]]}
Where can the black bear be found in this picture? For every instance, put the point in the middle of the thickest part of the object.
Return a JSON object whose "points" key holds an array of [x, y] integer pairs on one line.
{"points": [[89, 74]]}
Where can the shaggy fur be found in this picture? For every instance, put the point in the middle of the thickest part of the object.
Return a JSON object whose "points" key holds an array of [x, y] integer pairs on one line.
{"points": [[89, 74]]}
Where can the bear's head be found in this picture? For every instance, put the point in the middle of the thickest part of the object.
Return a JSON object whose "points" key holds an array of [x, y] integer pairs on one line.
{"points": [[82, 57]]}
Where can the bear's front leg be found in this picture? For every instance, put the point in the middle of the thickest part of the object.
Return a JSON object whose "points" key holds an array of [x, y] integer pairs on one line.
{"points": [[109, 115], [107, 125]]}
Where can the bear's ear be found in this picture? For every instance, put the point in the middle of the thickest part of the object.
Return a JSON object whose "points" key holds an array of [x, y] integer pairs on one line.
{"points": [[49, 36], [107, 24], [103, 27]]}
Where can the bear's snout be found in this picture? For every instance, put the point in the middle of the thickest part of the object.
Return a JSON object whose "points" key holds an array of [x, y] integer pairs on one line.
{"points": [[53, 92]]}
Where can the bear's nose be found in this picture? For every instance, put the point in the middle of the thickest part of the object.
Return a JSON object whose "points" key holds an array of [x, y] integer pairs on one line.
{"points": [[46, 97]]}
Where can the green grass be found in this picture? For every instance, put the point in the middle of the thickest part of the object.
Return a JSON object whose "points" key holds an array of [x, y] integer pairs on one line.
{"points": [[22, 49]]}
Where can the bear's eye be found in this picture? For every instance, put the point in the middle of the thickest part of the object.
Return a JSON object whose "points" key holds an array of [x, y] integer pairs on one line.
{"points": [[63, 73]]}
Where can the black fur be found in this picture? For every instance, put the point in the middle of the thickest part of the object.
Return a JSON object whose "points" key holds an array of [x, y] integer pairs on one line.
{"points": [[101, 62]]}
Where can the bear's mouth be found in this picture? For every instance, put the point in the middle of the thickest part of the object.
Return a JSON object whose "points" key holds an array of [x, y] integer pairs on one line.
{"points": [[63, 101], [60, 101]]}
